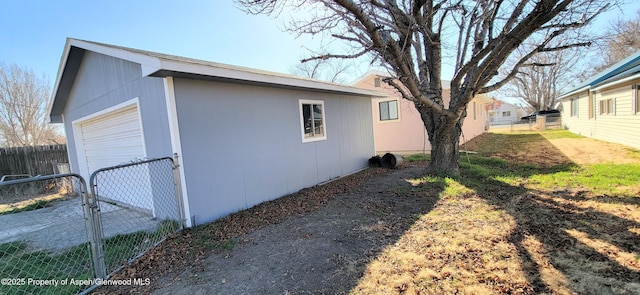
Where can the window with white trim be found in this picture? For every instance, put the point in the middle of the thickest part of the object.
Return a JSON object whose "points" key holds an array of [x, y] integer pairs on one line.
{"points": [[312, 120], [388, 110], [506, 114]]}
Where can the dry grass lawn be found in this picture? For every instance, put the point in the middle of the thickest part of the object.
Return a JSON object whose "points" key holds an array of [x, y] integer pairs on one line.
{"points": [[533, 213], [530, 213]]}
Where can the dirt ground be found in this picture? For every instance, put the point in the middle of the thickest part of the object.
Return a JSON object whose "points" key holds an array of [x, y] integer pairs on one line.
{"points": [[325, 251], [554, 151], [590, 151]]}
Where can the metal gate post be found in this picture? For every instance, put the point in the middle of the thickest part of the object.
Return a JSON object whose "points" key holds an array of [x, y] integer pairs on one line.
{"points": [[92, 211], [178, 188]]}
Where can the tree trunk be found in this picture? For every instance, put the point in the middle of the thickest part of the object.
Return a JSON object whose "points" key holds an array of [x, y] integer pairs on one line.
{"points": [[444, 136], [445, 153]]}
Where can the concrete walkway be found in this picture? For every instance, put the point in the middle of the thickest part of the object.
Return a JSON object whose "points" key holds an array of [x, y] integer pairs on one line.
{"points": [[63, 225]]}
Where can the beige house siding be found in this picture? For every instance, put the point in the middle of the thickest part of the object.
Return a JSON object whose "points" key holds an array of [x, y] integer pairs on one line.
{"points": [[580, 124], [407, 134], [622, 126]]}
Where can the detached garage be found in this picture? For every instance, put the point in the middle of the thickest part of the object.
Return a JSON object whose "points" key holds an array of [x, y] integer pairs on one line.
{"points": [[242, 136]]}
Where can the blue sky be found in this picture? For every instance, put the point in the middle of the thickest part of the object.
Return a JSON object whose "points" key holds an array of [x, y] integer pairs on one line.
{"points": [[33, 32]]}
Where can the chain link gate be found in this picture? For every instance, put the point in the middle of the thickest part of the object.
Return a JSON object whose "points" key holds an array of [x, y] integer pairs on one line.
{"points": [[62, 237], [44, 241], [136, 206]]}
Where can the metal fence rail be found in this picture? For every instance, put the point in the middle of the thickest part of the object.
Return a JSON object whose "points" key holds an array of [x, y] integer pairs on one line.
{"points": [[44, 242]]}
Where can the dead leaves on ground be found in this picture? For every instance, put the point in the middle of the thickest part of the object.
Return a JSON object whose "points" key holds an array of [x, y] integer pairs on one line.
{"points": [[190, 247]]}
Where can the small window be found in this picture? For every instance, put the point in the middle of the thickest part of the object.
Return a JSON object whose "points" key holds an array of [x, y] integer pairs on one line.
{"points": [[607, 107], [376, 81], [574, 107], [591, 103], [312, 120], [636, 98], [506, 114], [474, 110], [611, 106], [389, 110]]}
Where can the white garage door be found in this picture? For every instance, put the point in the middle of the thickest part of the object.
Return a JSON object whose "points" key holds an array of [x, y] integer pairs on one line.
{"points": [[114, 139]]}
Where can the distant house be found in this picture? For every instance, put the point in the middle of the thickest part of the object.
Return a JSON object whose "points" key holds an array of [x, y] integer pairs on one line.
{"points": [[243, 136], [607, 105], [397, 124], [504, 113]]}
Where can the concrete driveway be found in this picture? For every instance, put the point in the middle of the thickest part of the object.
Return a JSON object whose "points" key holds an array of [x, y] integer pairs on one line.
{"points": [[63, 225]]}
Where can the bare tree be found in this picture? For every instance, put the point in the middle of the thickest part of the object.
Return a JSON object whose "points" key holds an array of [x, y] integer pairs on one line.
{"points": [[549, 75], [22, 109], [411, 38], [624, 41], [322, 69]]}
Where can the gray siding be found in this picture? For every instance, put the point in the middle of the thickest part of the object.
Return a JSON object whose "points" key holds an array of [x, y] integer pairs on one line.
{"points": [[242, 144], [103, 82]]}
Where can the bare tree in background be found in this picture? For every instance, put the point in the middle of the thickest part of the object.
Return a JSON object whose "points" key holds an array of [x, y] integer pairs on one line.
{"points": [[549, 75], [22, 109], [411, 38], [322, 69], [624, 41]]}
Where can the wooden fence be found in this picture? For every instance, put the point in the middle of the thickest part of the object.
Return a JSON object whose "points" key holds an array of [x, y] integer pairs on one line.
{"points": [[33, 160]]}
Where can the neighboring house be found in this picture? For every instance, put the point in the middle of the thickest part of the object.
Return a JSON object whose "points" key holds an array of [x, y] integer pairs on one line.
{"points": [[243, 136], [504, 113], [398, 127], [607, 105]]}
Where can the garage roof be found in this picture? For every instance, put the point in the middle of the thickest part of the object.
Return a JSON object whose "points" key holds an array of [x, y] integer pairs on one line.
{"points": [[156, 64]]}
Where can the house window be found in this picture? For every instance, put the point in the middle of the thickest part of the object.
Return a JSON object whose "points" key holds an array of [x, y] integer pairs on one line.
{"points": [[506, 114], [607, 107], [312, 120], [636, 98], [591, 102], [474, 110], [389, 110], [574, 107]]}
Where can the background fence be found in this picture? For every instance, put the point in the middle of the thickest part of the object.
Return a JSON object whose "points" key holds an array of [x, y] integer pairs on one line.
{"points": [[32, 160], [59, 241], [539, 123]]}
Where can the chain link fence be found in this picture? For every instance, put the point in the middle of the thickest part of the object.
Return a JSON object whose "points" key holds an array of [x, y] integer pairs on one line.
{"points": [[44, 247], [138, 205], [535, 124], [56, 237]]}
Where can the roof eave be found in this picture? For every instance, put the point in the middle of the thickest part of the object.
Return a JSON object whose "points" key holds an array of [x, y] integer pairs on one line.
{"points": [[69, 65], [185, 69], [160, 66], [616, 82], [52, 100], [574, 92]]}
